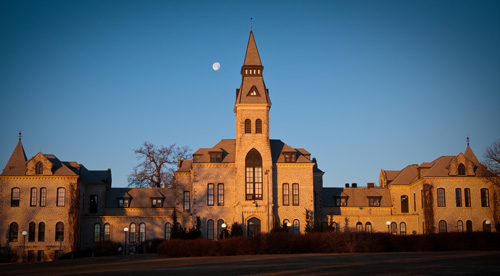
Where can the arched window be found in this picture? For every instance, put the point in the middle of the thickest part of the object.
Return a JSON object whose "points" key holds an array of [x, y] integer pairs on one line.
{"points": [[295, 194], [33, 197], [131, 233], [402, 228], [13, 232], [107, 232], [15, 195], [394, 228], [460, 226], [61, 194], [97, 232], [219, 228], [168, 230], [441, 200], [31, 232], [258, 126], [59, 231], [467, 197], [359, 227], [39, 168], [486, 226], [43, 197], [210, 229], [368, 227], [41, 232], [248, 126], [142, 232], [253, 164], [468, 225], [286, 195], [458, 196], [461, 169], [443, 226], [404, 204], [296, 226], [253, 227], [485, 198]]}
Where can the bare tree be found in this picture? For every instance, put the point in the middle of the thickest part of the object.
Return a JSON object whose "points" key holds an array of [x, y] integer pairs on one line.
{"points": [[157, 165], [492, 156]]}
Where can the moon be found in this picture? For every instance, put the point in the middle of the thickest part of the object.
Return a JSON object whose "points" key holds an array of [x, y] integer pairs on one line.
{"points": [[216, 66]]}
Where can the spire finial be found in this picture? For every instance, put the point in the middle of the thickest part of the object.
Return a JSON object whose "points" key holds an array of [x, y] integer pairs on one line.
{"points": [[20, 136], [251, 23], [468, 140]]}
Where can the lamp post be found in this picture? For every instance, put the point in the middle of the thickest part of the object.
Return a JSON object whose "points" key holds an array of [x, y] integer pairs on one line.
{"points": [[388, 226], [126, 231], [223, 225], [488, 227], [24, 233], [288, 225]]}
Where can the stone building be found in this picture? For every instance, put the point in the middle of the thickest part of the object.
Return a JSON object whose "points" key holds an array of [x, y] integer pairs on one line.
{"points": [[449, 194], [251, 180]]}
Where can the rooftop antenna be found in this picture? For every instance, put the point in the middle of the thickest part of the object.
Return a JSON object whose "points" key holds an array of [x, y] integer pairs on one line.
{"points": [[20, 136], [251, 23]]}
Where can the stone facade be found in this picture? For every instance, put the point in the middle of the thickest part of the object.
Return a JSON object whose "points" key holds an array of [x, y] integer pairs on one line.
{"points": [[449, 194], [252, 180]]}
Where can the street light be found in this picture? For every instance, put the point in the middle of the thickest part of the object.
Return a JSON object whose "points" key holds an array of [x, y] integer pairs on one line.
{"points": [[488, 227], [223, 225], [388, 226], [24, 233], [125, 230], [288, 225]]}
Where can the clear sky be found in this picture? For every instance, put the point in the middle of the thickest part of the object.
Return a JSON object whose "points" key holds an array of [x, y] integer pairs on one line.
{"points": [[362, 85]]}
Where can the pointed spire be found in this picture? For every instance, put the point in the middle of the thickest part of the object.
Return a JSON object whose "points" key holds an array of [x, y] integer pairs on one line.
{"points": [[252, 56], [17, 162]]}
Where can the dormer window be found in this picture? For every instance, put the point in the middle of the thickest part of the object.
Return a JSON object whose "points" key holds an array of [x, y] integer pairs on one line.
{"points": [[461, 169], [340, 201], [123, 202], [290, 157], [156, 202], [39, 168], [374, 201], [215, 157]]}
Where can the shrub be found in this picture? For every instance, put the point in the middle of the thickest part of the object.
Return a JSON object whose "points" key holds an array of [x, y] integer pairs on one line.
{"points": [[329, 242]]}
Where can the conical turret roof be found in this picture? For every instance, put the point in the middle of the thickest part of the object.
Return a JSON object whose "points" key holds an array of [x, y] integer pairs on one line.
{"points": [[17, 162]]}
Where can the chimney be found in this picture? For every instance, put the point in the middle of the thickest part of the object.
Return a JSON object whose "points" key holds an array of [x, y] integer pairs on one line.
{"points": [[370, 185], [347, 185], [354, 185]]}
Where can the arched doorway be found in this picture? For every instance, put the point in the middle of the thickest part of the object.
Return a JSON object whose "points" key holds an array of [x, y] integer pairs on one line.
{"points": [[253, 227]]}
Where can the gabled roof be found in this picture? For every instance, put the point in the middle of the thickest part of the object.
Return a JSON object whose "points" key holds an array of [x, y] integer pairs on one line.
{"points": [[227, 146], [356, 197], [140, 197], [278, 148], [17, 162]]}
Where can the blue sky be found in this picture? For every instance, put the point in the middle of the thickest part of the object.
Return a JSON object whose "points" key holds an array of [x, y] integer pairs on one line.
{"points": [[362, 85]]}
